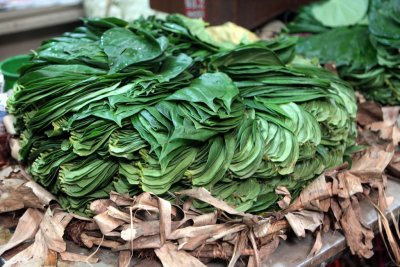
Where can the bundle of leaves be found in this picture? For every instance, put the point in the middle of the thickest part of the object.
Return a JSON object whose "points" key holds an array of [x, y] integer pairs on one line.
{"points": [[162, 105], [361, 37]]}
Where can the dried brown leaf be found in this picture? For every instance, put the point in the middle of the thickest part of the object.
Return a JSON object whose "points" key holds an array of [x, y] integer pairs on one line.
{"points": [[26, 229], [319, 189], [145, 202], [164, 207], [120, 199], [74, 257], [256, 257], [101, 205], [89, 241], [300, 221], [265, 252], [124, 258], [326, 223], [261, 229], [5, 235], [148, 262], [235, 228], [349, 184], [358, 238], [107, 223], [170, 256], [51, 259], [44, 196], [205, 219], [336, 210], [34, 255], [394, 166], [371, 164], [390, 114], [192, 231], [281, 190], [117, 214], [239, 247], [12, 199], [369, 112], [131, 232], [284, 202], [191, 243], [52, 228], [317, 245], [143, 242], [202, 194]]}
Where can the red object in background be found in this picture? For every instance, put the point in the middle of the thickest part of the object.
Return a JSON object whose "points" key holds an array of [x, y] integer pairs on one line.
{"points": [[249, 13], [4, 151], [195, 9]]}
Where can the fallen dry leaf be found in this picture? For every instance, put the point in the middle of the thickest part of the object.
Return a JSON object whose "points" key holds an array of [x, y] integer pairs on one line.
{"points": [[170, 256], [143, 242], [193, 231], [135, 230], [90, 241], [74, 257], [391, 114], [52, 228], [26, 229], [121, 199], [107, 223], [256, 257], [265, 252], [205, 219], [348, 185], [12, 199], [358, 238], [239, 247], [394, 166], [318, 189], [43, 195], [124, 258], [300, 221], [120, 215], [51, 259], [371, 164], [148, 262], [5, 235], [191, 243], [202, 194], [222, 251], [165, 219], [34, 255], [101, 205], [369, 112], [224, 232], [317, 245]]}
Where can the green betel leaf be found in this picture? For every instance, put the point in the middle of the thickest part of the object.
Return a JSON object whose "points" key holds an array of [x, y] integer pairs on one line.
{"points": [[342, 46], [335, 13], [125, 48], [367, 54], [155, 106]]}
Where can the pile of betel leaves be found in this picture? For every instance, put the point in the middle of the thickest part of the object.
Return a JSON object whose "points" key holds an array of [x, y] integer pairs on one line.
{"points": [[160, 106], [361, 37]]}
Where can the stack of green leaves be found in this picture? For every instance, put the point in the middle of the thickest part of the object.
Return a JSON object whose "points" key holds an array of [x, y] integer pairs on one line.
{"points": [[158, 106], [361, 37]]}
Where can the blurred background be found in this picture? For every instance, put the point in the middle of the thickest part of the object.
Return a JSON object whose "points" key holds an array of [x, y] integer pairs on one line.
{"points": [[25, 23]]}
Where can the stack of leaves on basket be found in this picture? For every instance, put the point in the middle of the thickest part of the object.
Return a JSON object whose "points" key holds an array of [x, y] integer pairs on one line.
{"points": [[164, 105], [361, 37]]}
